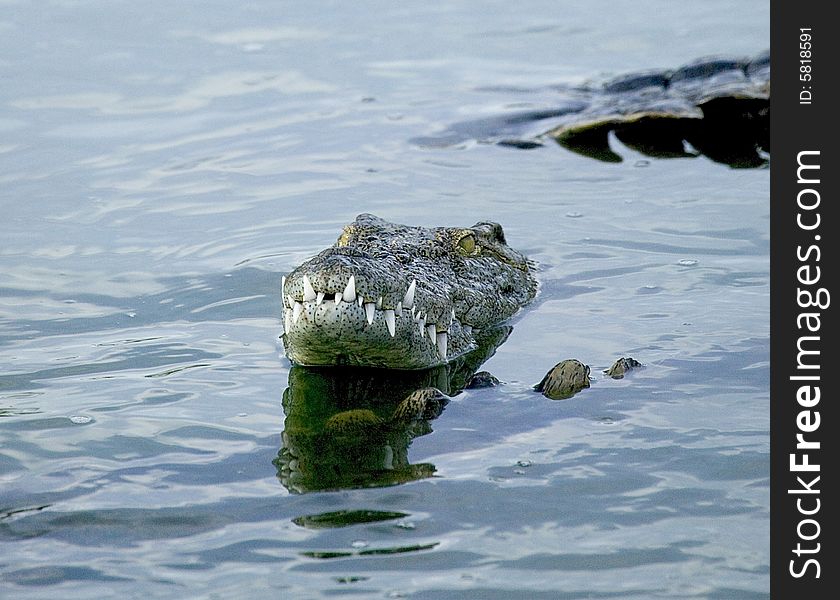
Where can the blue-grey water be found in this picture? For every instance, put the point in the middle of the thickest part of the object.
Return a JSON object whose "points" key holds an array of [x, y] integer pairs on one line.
{"points": [[163, 164]]}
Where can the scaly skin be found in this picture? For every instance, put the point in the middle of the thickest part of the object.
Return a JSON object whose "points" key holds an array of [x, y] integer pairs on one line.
{"points": [[400, 297], [718, 107]]}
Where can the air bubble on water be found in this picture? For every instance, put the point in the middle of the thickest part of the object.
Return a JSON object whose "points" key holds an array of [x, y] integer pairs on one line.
{"points": [[523, 463], [359, 544], [80, 419], [687, 262], [574, 214]]}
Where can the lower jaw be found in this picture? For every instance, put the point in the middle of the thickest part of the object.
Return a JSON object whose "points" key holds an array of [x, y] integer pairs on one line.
{"points": [[319, 336]]}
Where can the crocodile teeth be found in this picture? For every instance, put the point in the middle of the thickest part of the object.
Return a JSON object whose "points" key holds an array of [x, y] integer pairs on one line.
{"points": [[408, 301], [338, 298], [319, 298], [361, 300], [283, 284], [379, 303], [308, 291], [432, 331], [398, 309], [390, 322], [350, 291], [370, 308], [442, 340], [296, 314], [422, 324], [287, 321]]}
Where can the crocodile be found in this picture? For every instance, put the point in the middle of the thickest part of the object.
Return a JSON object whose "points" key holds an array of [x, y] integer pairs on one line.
{"points": [[718, 107], [401, 297], [392, 320]]}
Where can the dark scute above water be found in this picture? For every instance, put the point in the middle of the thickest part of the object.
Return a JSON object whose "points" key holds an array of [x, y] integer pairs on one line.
{"points": [[564, 380], [620, 367], [636, 81]]}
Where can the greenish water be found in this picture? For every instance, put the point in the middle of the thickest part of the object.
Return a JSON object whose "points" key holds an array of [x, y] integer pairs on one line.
{"points": [[163, 165]]}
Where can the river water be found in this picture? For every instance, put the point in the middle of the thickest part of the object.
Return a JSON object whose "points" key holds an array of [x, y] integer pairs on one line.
{"points": [[162, 165]]}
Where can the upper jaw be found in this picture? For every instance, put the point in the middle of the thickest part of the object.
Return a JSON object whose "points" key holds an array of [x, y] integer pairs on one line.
{"points": [[331, 317]]}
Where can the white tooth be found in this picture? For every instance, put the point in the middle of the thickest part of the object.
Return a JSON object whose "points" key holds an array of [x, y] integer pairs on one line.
{"points": [[283, 284], [379, 303], [422, 324], [308, 290], [398, 310], [370, 308], [414, 314], [408, 301], [390, 322], [361, 301], [297, 311], [287, 321], [319, 298], [442, 340], [290, 301], [467, 329], [432, 331], [338, 298], [350, 291]]}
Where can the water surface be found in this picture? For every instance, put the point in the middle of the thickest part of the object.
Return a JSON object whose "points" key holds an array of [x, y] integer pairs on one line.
{"points": [[162, 165]]}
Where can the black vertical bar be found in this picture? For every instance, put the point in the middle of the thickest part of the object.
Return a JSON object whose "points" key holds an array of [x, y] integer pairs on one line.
{"points": [[804, 136]]}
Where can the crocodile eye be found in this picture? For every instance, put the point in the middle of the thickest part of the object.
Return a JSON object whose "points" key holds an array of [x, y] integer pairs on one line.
{"points": [[467, 243], [344, 238]]}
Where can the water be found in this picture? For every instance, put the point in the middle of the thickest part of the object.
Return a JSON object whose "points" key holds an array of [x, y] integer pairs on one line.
{"points": [[162, 165]]}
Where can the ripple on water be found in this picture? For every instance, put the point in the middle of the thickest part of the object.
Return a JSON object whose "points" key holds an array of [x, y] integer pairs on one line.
{"points": [[160, 185]]}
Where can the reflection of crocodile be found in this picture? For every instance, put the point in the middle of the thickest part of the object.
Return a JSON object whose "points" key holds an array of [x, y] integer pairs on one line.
{"points": [[351, 427], [718, 107]]}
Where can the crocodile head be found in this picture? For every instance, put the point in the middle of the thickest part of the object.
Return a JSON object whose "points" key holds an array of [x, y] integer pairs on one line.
{"points": [[400, 297]]}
